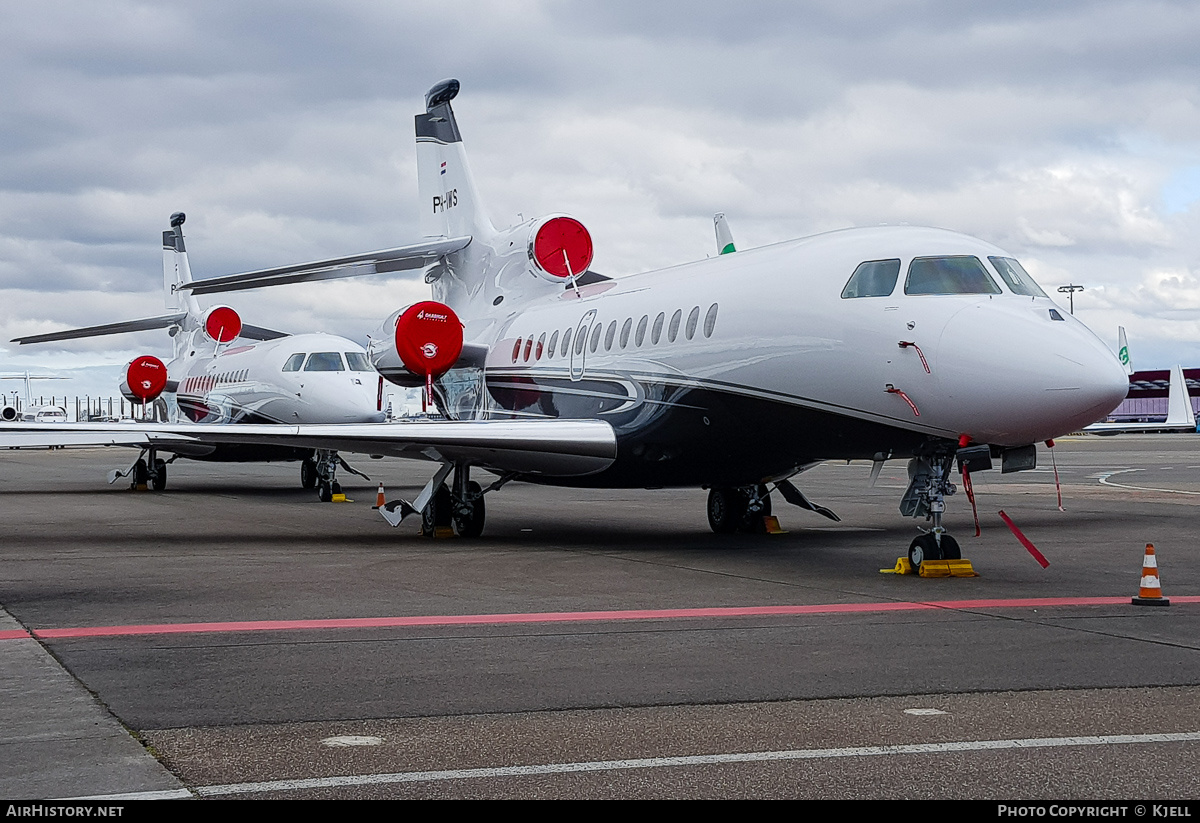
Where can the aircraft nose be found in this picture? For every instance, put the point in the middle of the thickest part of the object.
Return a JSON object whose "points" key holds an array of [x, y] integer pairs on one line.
{"points": [[1034, 377]]}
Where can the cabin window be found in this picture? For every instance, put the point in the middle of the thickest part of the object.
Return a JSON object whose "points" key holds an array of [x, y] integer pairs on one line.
{"points": [[710, 320], [597, 330], [580, 342], [541, 344], [294, 362], [693, 321], [874, 278], [528, 348], [553, 342], [610, 336], [1014, 274], [960, 274], [357, 361], [625, 330], [324, 361], [656, 332], [673, 329], [566, 344], [641, 329], [517, 349]]}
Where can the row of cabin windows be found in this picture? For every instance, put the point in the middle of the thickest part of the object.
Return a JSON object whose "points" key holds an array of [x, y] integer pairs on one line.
{"points": [[957, 274], [526, 349], [327, 361]]}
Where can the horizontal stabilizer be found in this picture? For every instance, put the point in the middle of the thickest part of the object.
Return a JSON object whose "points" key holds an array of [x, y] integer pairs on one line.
{"points": [[161, 322], [402, 258], [250, 332]]}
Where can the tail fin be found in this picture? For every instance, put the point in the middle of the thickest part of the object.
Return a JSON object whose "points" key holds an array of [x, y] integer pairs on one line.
{"points": [[1123, 350], [1179, 402], [450, 204], [176, 271], [724, 235]]}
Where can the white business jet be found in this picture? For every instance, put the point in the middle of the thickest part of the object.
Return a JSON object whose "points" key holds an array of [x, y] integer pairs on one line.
{"points": [[226, 372], [734, 373]]}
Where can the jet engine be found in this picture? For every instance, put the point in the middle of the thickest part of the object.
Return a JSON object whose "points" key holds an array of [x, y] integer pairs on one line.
{"points": [[8, 413], [559, 248], [222, 324], [145, 378], [417, 344]]}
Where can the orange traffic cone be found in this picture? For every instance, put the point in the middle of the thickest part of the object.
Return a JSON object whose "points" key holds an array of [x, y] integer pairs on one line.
{"points": [[1150, 593], [379, 498]]}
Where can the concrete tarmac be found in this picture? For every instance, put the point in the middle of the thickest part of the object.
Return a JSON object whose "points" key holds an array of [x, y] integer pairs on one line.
{"points": [[230, 636]]}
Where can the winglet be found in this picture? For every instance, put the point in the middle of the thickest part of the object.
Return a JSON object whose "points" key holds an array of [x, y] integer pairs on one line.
{"points": [[724, 235]]}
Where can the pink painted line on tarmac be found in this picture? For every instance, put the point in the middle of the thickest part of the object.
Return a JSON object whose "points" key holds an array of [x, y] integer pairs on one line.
{"points": [[14, 634], [575, 617]]}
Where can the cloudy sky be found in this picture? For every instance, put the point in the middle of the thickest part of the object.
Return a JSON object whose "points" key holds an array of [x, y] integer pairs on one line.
{"points": [[1066, 132]]}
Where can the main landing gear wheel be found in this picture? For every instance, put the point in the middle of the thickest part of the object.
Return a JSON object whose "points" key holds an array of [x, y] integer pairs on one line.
{"points": [[308, 474], [158, 477], [437, 513], [726, 510], [470, 513], [141, 474], [326, 490]]}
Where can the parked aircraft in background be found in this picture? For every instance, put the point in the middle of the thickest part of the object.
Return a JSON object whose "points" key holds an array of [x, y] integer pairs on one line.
{"points": [[223, 371], [29, 411], [735, 373]]}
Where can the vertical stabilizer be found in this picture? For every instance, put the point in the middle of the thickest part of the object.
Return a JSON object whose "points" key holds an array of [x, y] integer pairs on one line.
{"points": [[450, 205], [724, 235], [1123, 350], [1179, 402]]}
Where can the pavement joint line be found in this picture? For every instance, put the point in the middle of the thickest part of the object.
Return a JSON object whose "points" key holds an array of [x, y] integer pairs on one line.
{"points": [[723, 612], [693, 760]]}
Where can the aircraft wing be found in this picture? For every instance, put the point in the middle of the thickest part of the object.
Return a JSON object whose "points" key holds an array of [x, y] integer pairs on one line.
{"points": [[161, 322], [401, 258], [560, 448]]}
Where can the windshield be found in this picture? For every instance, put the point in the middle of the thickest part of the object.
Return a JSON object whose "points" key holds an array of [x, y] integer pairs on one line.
{"points": [[961, 274]]}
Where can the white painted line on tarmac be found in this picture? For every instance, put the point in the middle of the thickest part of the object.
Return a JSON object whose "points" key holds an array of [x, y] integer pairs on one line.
{"points": [[1103, 477], [694, 760], [168, 794]]}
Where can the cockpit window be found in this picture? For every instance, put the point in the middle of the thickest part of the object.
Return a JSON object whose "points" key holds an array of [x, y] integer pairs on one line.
{"points": [[293, 362], [961, 274], [324, 361], [875, 278], [1014, 274], [357, 361]]}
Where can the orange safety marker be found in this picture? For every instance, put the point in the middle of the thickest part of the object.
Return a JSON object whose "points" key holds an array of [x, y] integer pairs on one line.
{"points": [[379, 498], [1150, 592]]}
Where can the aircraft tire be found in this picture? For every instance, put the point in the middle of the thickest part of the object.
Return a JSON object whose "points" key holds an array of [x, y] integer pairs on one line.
{"points": [[324, 491], [726, 510], [141, 474], [437, 513], [158, 480], [471, 524], [924, 547], [950, 549], [308, 474]]}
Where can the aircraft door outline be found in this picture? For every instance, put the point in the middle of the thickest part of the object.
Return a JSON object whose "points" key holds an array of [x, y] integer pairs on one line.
{"points": [[578, 362]]}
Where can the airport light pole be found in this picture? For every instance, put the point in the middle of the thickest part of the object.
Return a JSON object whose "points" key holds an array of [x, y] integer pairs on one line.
{"points": [[1070, 292]]}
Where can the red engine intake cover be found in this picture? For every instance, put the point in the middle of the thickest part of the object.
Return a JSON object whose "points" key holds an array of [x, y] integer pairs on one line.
{"points": [[559, 236], [222, 325], [429, 338], [146, 377]]}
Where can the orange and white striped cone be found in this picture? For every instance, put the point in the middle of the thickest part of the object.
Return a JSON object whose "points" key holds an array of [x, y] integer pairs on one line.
{"points": [[379, 498], [1150, 592]]}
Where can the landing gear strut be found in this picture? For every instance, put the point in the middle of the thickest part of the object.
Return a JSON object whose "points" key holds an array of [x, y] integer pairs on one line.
{"points": [[928, 487]]}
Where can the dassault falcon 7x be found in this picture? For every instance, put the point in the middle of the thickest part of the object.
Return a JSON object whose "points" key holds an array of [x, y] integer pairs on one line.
{"points": [[735, 373], [213, 377]]}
